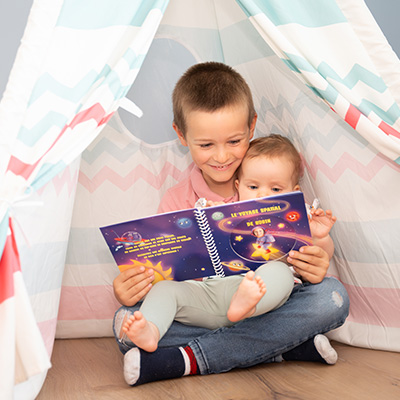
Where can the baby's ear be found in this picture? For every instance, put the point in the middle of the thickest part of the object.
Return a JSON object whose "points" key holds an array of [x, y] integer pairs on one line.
{"points": [[237, 184]]}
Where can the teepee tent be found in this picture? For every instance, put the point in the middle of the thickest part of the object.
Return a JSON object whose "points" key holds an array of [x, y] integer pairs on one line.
{"points": [[86, 141]]}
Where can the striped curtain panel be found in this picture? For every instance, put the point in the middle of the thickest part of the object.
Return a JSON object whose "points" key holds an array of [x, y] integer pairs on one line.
{"points": [[337, 50], [76, 62]]}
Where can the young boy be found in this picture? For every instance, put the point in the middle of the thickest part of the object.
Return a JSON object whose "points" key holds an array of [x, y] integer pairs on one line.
{"points": [[214, 116], [271, 166]]}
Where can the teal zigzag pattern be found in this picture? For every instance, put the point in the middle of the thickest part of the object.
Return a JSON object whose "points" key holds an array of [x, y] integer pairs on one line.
{"points": [[309, 132], [30, 136], [294, 108], [46, 83], [357, 74]]}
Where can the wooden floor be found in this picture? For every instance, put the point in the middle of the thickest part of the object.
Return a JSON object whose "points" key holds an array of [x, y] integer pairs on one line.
{"points": [[92, 369]]}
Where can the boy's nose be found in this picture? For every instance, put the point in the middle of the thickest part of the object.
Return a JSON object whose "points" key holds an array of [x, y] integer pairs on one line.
{"points": [[221, 156]]}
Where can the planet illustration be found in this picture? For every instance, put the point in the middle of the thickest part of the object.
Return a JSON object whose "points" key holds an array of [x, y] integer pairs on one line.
{"points": [[292, 216], [235, 265], [217, 216], [184, 223]]}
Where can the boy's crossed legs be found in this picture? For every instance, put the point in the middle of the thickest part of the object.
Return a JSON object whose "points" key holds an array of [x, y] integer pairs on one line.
{"points": [[320, 307], [146, 334]]}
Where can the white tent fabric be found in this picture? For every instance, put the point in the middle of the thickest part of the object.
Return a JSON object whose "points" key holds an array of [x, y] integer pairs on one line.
{"points": [[341, 167], [126, 169], [67, 82]]}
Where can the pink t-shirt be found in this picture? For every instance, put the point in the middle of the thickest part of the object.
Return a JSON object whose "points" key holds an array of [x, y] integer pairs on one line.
{"points": [[185, 193]]}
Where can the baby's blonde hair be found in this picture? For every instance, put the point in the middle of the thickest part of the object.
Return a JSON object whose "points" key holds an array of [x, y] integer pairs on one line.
{"points": [[274, 146]]}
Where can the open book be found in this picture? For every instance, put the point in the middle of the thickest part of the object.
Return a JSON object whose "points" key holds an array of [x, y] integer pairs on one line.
{"points": [[222, 240]]}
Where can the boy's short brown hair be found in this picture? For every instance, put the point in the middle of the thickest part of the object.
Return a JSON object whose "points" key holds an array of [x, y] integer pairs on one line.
{"points": [[273, 146], [208, 87]]}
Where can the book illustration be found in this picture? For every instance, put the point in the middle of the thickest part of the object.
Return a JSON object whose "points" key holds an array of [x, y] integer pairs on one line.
{"points": [[222, 240]]}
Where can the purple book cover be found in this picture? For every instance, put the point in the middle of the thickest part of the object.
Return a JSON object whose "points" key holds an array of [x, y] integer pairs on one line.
{"points": [[222, 240]]}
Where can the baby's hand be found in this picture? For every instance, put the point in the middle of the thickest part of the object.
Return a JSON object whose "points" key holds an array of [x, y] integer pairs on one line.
{"points": [[202, 202], [321, 223]]}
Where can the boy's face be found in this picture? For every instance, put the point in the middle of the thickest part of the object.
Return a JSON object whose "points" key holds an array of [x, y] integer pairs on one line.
{"points": [[262, 177], [258, 232], [218, 142]]}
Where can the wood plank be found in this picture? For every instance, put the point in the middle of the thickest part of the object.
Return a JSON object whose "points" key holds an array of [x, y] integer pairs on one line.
{"points": [[92, 369]]}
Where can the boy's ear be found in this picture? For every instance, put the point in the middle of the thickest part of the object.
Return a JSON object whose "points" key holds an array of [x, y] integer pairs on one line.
{"points": [[253, 126], [180, 134]]}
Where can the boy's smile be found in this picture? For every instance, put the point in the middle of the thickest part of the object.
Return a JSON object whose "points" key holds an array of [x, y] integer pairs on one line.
{"points": [[218, 142]]}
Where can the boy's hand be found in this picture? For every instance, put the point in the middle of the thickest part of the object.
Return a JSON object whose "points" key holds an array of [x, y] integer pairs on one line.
{"points": [[321, 223], [132, 285], [311, 262]]}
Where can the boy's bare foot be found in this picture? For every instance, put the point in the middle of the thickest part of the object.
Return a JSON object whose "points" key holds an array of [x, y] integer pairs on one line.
{"points": [[244, 301], [141, 332]]}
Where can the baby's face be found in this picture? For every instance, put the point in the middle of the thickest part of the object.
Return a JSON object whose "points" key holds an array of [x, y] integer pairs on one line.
{"points": [[263, 177]]}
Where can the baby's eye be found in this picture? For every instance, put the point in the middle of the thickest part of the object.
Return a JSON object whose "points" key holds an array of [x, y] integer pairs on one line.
{"points": [[275, 189], [253, 187]]}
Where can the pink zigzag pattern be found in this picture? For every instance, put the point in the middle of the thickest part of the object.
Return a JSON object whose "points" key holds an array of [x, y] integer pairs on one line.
{"points": [[139, 172], [347, 162], [61, 180]]}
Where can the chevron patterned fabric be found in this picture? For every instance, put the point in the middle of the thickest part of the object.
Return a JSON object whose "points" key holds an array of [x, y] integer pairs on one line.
{"points": [[314, 79]]}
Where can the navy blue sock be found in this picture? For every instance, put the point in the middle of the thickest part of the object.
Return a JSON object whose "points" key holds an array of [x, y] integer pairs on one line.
{"points": [[317, 349], [165, 363]]}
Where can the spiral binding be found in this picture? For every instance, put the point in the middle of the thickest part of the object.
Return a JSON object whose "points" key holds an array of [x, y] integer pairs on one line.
{"points": [[209, 241]]}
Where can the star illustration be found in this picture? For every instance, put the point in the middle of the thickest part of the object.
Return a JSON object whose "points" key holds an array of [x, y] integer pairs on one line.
{"points": [[239, 238], [264, 253]]}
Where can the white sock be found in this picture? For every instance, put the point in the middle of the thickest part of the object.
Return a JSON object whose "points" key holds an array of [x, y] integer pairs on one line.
{"points": [[132, 366], [324, 348]]}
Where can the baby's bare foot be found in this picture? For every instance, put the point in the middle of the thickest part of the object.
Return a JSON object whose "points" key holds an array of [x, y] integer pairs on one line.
{"points": [[247, 296], [144, 334]]}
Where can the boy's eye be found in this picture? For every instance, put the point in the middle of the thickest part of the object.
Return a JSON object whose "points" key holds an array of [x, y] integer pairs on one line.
{"points": [[205, 145], [234, 141]]}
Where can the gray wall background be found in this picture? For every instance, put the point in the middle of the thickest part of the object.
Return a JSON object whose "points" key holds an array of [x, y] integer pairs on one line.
{"points": [[14, 14]]}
